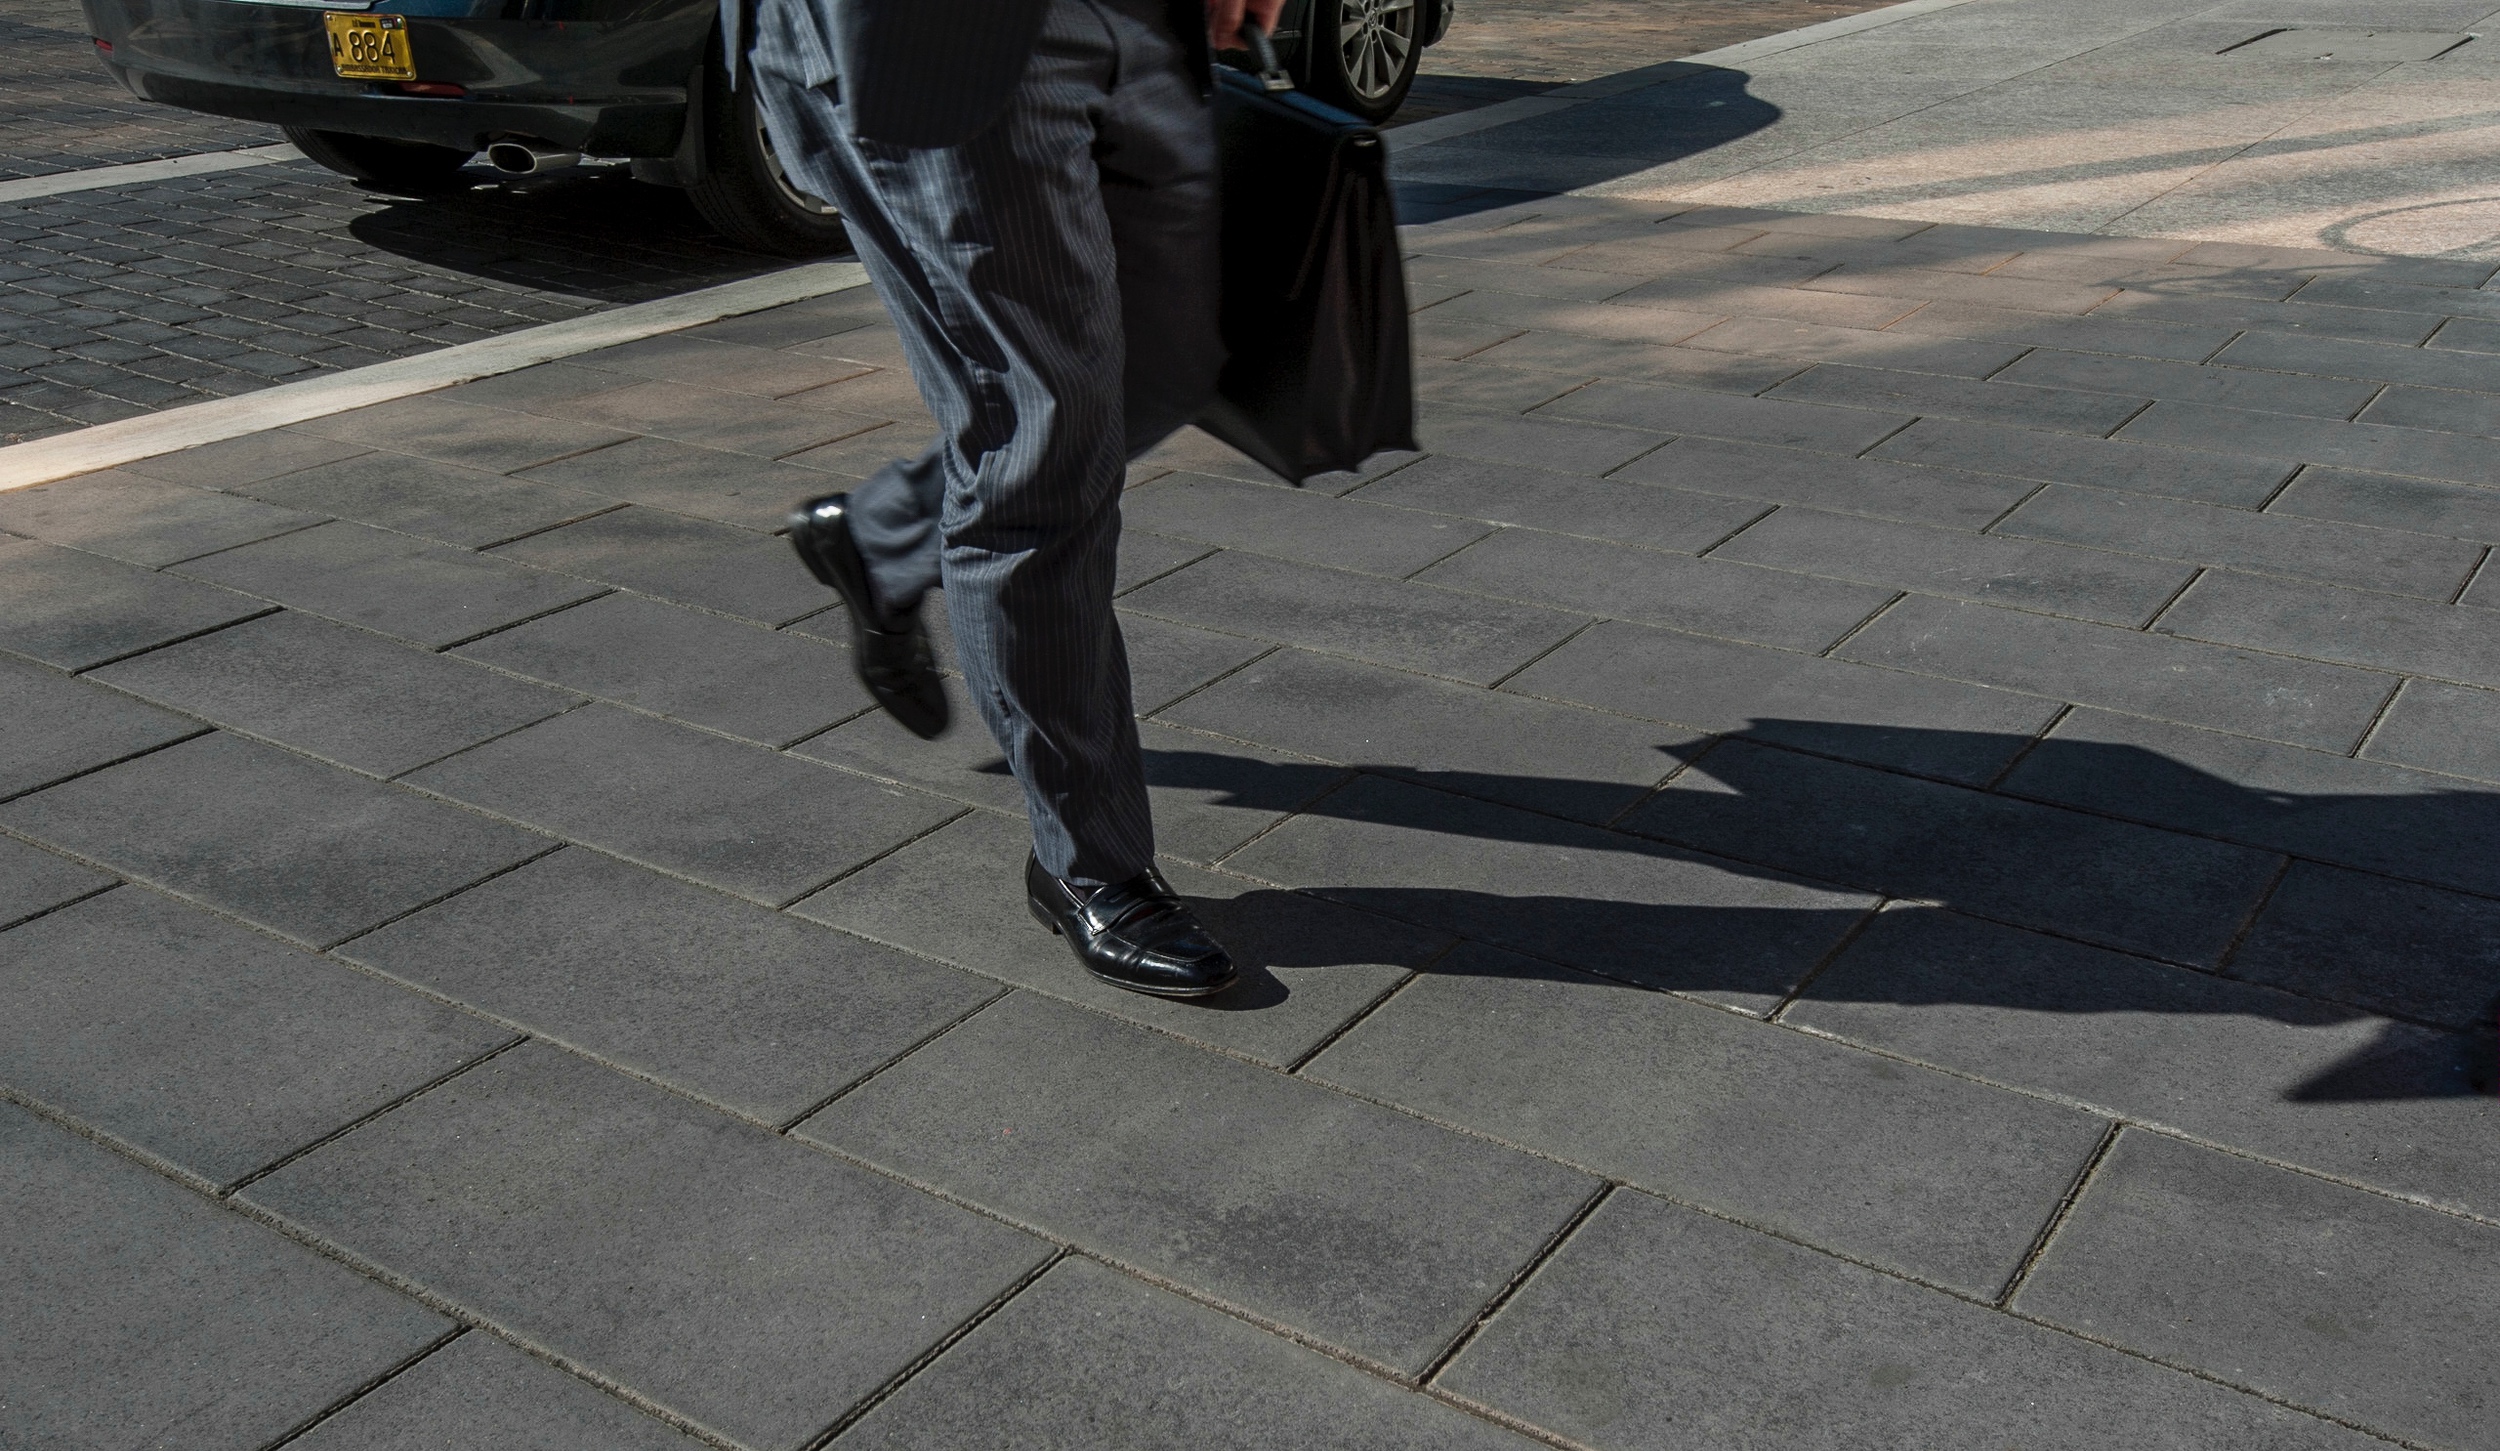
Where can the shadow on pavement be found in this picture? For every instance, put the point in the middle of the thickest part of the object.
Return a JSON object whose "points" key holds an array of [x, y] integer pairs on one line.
{"points": [[2074, 880], [591, 232], [1589, 142]]}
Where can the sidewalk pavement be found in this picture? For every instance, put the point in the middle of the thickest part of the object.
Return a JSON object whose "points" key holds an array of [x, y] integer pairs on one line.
{"points": [[1892, 839]]}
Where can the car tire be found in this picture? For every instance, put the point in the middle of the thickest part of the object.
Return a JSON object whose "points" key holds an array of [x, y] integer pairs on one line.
{"points": [[743, 192], [1361, 55], [412, 168]]}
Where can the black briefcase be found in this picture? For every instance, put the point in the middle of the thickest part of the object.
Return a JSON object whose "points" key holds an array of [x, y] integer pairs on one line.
{"points": [[1319, 376]]}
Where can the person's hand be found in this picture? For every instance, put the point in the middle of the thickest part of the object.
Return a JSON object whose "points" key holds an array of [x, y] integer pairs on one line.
{"points": [[1224, 19]]}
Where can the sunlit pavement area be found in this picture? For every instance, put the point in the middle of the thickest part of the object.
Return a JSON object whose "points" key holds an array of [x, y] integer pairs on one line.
{"points": [[1890, 839]]}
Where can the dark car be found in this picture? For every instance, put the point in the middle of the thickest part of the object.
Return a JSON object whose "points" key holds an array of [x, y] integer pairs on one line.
{"points": [[404, 93]]}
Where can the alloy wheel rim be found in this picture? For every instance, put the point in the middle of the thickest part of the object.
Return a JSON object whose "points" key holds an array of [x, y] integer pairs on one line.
{"points": [[790, 190], [1374, 38]]}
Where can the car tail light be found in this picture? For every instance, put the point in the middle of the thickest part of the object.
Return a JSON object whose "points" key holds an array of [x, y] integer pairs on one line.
{"points": [[102, 44], [431, 88]]}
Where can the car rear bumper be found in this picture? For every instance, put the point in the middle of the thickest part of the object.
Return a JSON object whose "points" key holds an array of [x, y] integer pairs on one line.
{"points": [[601, 86]]}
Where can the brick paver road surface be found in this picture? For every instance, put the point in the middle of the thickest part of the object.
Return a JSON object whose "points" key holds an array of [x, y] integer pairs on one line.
{"points": [[1891, 839]]}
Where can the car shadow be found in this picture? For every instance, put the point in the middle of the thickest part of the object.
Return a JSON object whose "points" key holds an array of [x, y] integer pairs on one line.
{"points": [[1665, 113], [589, 232], [2064, 883]]}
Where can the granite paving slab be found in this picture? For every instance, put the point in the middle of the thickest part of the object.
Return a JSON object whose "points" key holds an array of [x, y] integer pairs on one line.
{"points": [[452, 432], [2395, 947], [1208, 796], [1550, 758], [141, 520], [1928, 727], [754, 1286], [688, 561], [53, 726], [1724, 597], [479, 1391], [1168, 661], [1668, 519], [450, 503], [1313, 528], [357, 699], [751, 822], [750, 428], [1390, 622], [2298, 702], [427, 594], [2441, 728], [2346, 553], [762, 686], [142, 1314], [2363, 1098], [2349, 627], [306, 850], [1362, 1227], [1089, 1358], [234, 462], [1603, 901], [2086, 584], [712, 996], [2355, 1304], [707, 483], [1308, 966], [206, 1046], [1780, 422], [75, 610], [1950, 497], [2312, 804], [1896, 1166], [2171, 896], [33, 881], [2214, 478], [2422, 506], [1657, 1324]]}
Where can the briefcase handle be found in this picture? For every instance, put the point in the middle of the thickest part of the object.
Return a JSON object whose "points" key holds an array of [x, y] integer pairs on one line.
{"points": [[1271, 71]]}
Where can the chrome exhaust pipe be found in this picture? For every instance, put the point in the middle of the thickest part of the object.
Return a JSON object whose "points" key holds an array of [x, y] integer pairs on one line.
{"points": [[521, 156]]}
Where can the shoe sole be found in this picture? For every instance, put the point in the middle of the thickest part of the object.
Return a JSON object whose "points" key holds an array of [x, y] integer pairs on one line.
{"points": [[1042, 915]]}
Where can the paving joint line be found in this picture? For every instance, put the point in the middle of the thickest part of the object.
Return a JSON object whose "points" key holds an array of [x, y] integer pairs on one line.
{"points": [[122, 760], [2039, 738], [1832, 650], [507, 733], [787, 1127], [228, 1191], [1518, 1281], [554, 844], [42, 912], [864, 864], [1839, 948], [1378, 1001], [181, 639], [335, 1408], [2378, 718], [867, 1404], [2058, 1214], [2480, 567]]}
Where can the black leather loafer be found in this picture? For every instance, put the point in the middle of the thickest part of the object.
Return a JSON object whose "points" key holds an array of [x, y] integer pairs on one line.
{"points": [[1133, 934], [894, 663]]}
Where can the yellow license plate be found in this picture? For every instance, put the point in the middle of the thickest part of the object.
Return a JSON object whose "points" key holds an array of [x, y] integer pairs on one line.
{"points": [[370, 47]]}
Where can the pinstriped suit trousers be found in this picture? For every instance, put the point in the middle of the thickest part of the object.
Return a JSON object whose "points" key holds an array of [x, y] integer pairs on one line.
{"points": [[1055, 282]]}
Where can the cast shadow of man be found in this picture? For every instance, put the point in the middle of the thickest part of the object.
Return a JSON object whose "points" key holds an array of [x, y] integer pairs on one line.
{"points": [[1753, 878]]}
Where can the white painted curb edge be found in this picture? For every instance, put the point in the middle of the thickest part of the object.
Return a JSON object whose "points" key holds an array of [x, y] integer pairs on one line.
{"points": [[29, 188], [108, 445]]}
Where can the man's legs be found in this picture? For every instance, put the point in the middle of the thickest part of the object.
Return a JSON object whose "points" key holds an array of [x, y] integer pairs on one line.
{"points": [[1020, 267]]}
